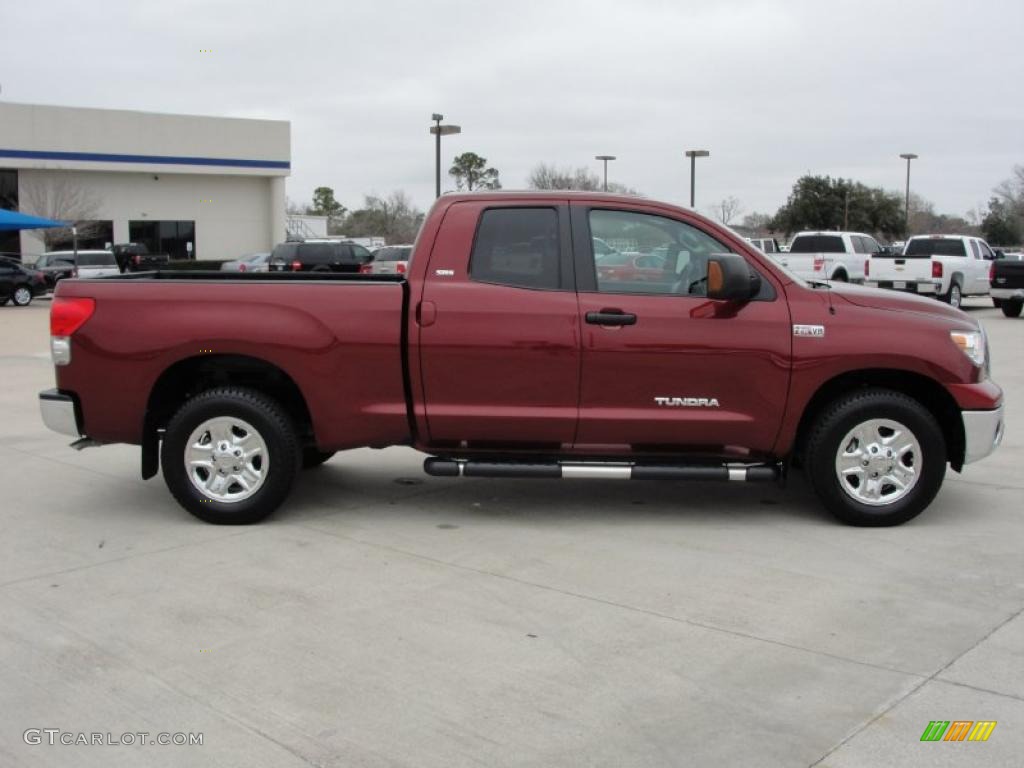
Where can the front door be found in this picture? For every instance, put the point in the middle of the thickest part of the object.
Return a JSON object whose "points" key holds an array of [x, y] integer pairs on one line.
{"points": [[499, 329], [665, 369]]}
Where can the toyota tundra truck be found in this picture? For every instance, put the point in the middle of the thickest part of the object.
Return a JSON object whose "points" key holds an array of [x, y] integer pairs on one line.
{"points": [[947, 267], [503, 352]]}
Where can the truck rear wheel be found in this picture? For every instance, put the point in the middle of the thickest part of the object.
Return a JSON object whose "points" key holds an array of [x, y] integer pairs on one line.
{"points": [[876, 458], [1011, 307], [230, 456]]}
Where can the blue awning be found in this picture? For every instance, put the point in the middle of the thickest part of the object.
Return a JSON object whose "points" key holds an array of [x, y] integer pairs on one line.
{"points": [[12, 220]]}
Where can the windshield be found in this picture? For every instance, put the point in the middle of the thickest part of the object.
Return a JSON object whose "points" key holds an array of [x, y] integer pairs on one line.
{"points": [[96, 260], [935, 246], [817, 244]]}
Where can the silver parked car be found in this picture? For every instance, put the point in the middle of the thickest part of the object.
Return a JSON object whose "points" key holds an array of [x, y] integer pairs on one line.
{"points": [[390, 260], [96, 264], [253, 262]]}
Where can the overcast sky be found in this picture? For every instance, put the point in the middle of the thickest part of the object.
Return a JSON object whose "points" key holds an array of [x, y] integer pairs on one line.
{"points": [[773, 89]]}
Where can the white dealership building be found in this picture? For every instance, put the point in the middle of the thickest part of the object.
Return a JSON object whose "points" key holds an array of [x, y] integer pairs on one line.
{"points": [[191, 186]]}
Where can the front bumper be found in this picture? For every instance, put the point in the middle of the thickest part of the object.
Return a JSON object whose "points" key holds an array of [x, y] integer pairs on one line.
{"points": [[60, 412], [1008, 294], [983, 432]]}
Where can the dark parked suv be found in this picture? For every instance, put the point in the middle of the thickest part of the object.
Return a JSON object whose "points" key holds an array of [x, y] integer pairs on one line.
{"points": [[319, 256]]}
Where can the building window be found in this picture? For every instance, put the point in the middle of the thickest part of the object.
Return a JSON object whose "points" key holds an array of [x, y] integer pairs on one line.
{"points": [[10, 242], [175, 238]]}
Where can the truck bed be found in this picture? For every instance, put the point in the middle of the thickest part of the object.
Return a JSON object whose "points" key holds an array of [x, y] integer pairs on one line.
{"points": [[338, 338]]}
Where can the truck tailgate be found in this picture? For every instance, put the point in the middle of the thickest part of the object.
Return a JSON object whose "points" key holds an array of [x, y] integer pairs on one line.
{"points": [[899, 268], [339, 341]]}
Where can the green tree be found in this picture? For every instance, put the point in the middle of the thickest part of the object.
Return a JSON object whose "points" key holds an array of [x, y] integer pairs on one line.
{"points": [[1000, 226], [821, 202], [470, 172], [324, 204]]}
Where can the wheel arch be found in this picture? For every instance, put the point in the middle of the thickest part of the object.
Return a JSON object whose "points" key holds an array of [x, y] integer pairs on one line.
{"points": [[191, 375], [927, 391]]}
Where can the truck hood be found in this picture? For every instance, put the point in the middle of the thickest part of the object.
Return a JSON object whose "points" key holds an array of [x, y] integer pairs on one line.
{"points": [[896, 301]]}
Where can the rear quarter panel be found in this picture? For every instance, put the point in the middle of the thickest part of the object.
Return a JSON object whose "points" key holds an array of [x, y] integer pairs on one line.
{"points": [[339, 342]]}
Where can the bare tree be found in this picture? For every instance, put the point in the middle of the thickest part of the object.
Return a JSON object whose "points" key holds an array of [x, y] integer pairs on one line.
{"points": [[758, 222], [59, 198], [545, 176], [395, 217], [728, 209]]}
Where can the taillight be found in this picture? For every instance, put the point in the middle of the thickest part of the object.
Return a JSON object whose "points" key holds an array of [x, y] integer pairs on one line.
{"points": [[365, 269], [819, 263], [867, 267], [296, 265], [992, 272], [67, 315], [400, 268], [241, 267], [136, 259], [936, 269]]}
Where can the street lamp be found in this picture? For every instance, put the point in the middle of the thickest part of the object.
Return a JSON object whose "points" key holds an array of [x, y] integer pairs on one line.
{"points": [[605, 158], [440, 130], [693, 154], [908, 156]]}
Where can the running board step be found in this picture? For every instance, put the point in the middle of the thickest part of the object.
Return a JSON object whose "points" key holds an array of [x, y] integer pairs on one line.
{"points": [[595, 470]]}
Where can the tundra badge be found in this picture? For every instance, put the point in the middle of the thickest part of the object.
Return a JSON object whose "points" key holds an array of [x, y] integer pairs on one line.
{"points": [[687, 402], [813, 331]]}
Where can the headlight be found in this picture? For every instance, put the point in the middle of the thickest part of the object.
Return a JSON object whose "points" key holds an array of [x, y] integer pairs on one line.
{"points": [[972, 344]]}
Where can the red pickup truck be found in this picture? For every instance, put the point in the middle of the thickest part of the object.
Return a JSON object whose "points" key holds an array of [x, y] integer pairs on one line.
{"points": [[503, 352]]}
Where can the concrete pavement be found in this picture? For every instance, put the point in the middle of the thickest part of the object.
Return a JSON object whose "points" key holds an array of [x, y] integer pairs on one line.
{"points": [[385, 618]]}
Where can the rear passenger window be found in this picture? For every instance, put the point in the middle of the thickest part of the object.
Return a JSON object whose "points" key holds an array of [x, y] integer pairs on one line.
{"points": [[859, 245], [517, 246]]}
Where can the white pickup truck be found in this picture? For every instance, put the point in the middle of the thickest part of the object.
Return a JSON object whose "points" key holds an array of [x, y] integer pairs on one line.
{"points": [[946, 266], [829, 255]]}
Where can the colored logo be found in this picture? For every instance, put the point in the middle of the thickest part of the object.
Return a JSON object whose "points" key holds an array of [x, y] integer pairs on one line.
{"points": [[958, 730]]}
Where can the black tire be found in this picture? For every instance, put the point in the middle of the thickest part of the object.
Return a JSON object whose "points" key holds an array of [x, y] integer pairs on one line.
{"points": [[272, 424], [311, 457], [1012, 307], [21, 296], [3, 302], [840, 277], [831, 428], [954, 296]]}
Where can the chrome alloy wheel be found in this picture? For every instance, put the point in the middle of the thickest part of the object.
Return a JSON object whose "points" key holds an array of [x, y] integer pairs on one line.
{"points": [[22, 296], [226, 459], [878, 462]]}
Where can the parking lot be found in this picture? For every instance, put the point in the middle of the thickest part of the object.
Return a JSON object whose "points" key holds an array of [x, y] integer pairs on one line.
{"points": [[384, 618]]}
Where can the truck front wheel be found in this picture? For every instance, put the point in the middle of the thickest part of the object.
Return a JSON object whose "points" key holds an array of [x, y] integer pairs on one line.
{"points": [[876, 457], [230, 456]]}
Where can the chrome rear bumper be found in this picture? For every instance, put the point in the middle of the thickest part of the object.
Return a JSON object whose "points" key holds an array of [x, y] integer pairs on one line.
{"points": [[60, 413]]}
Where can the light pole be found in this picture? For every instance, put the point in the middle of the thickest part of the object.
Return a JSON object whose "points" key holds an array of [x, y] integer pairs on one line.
{"points": [[440, 130], [605, 159], [693, 154], [908, 156]]}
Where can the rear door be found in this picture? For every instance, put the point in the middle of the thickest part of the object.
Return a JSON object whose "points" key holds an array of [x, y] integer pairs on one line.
{"points": [[499, 329], [982, 284], [665, 369]]}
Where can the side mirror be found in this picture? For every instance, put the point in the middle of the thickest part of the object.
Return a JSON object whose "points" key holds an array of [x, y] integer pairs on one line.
{"points": [[731, 279]]}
